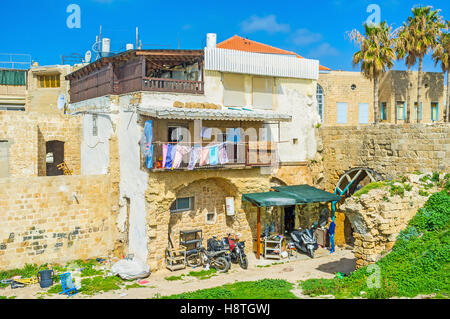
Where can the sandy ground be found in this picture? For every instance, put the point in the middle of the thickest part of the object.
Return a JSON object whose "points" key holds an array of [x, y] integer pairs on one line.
{"points": [[324, 265]]}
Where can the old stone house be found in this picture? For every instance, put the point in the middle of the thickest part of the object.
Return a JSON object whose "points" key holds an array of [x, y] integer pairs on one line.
{"points": [[346, 98], [264, 100]]}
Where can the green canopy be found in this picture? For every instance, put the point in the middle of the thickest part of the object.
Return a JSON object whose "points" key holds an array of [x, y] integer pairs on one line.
{"points": [[269, 199], [307, 194], [290, 195]]}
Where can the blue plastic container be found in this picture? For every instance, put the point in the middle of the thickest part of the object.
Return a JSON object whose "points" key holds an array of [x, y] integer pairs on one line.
{"points": [[45, 278]]}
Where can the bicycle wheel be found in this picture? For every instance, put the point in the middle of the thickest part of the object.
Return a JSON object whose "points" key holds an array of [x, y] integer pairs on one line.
{"points": [[221, 264]]}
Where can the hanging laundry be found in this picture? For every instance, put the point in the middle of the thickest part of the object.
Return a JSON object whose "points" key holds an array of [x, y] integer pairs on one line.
{"points": [[195, 156], [204, 159], [180, 151], [223, 156], [164, 149], [214, 155], [171, 149], [148, 153]]}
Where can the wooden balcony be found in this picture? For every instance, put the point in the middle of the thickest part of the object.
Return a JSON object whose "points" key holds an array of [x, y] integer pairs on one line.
{"points": [[172, 85]]}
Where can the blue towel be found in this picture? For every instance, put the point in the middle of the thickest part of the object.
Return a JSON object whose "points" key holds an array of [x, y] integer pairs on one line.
{"points": [[171, 149], [234, 135], [148, 132], [214, 155]]}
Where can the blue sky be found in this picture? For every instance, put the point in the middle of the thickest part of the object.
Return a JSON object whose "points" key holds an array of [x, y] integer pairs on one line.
{"points": [[313, 29]]}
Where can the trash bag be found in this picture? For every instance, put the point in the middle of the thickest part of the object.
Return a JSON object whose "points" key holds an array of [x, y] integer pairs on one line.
{"points": [[130, 269]]}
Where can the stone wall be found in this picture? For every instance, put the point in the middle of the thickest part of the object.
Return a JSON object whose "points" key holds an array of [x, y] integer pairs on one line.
{"points": [[378, 217], [389, 149], [27, 134], [209, 187], [54, 219]]}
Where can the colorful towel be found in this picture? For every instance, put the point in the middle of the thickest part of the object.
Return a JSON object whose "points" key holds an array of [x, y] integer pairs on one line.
{"points": [[180, 151], [234, 135], [164, 148], [214, 155], [148, 152], [195, 156], [204, 159], [171, 149], [223, 156]]}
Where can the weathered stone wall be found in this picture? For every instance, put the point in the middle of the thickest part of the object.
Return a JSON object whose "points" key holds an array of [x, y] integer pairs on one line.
{"points": [[378, 217], [210, 187], [389, 149], [27, 134], [54, 219]]}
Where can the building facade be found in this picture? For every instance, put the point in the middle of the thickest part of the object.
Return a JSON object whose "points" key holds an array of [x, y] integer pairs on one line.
{"points": [[346, 98], [260, 119]]}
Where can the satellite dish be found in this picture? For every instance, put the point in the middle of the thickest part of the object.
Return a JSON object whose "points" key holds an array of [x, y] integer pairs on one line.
{"points": [[87, 57], [61, 101]]}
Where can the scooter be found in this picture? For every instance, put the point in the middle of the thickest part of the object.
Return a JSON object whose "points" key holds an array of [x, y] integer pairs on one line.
{"points": [[305, 240], [237, 251]]}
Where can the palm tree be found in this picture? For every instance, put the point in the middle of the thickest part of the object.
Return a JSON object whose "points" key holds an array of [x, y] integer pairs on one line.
{"points": [[376, 55], [404, 50], [442, 54], [426, 25]]}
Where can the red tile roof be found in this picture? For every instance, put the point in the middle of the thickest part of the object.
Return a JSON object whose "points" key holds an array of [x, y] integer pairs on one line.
{"points": [[241, 44]]}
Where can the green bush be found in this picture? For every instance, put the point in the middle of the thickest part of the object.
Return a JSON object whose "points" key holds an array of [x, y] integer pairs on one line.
{"points": [[419, 262]]}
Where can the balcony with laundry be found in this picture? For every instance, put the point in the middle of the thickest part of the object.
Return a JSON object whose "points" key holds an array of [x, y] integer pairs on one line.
{"points": [[178, 139]]}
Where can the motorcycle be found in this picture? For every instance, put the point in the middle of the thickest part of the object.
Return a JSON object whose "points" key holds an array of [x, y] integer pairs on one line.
{"points": [[237, 251], [200, 256], [305, 240]]}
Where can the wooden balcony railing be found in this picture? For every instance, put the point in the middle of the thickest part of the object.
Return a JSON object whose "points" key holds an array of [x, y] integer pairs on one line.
{"points": [[172, 85]]}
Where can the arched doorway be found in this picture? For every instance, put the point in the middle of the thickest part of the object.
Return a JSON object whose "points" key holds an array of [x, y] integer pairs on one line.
{"points": [[54, 155]]}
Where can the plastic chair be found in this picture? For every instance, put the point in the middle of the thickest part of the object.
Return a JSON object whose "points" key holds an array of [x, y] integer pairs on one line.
{"points": [[68, 285]]}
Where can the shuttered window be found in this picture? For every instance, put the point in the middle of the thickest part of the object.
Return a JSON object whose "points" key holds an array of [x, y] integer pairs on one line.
{"points": [[434, 111], [363, 113], [262, 92], [415, 111], [49, 81], [341, 113], [234, 88]]}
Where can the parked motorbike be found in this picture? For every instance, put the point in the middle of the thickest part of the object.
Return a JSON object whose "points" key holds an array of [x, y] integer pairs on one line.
{"points": [[237, 251], [200, 256], [305, 240]]}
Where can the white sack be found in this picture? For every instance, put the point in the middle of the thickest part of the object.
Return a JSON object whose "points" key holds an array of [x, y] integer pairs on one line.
{"points": [[130, 269]]}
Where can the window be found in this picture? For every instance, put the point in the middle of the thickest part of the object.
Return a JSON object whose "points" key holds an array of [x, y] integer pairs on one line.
{"points": [[49, 81], [363, 113], [383, 111], [401, 112], [211, 217], [234, 89], [262, 92], [434, 111], [182, 204], [94, 125], [319, 97], [415, 111], [175, 133], [4, 158], [341, 113]]}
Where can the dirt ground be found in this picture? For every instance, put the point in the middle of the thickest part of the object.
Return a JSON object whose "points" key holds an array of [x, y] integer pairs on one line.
{"points": [[324, 265]]}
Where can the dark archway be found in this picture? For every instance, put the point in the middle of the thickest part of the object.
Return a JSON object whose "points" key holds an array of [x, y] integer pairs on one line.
{"points": [[54, 151]]}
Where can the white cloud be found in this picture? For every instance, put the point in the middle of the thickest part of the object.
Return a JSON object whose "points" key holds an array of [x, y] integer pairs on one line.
{"points": [[325, 49], [305, 37], [268, 24]]}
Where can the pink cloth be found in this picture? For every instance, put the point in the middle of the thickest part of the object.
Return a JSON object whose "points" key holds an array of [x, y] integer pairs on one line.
{"points": [[204, 159], [179, 153], [164, 148], [223, 156]]}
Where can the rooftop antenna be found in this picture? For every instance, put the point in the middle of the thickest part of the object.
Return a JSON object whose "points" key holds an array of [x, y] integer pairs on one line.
{"points": [[137, 38]]}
